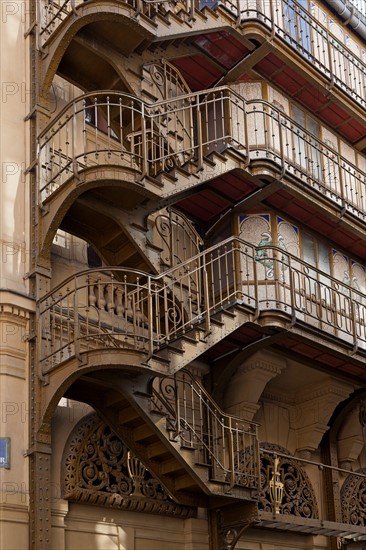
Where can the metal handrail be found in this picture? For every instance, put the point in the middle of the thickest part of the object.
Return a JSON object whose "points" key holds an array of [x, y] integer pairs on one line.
{"points": [[179, 239], [316, 499], [220, 440], [146, 312], [144, 138], [287, 19]]}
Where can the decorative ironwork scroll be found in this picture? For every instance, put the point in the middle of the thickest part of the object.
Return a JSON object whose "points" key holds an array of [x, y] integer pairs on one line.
{"points": [[298, 497], [353, 499], [167, 79], [99, 469]]}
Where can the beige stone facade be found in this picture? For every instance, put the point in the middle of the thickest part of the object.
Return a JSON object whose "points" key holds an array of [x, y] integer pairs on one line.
{"points": [[182, 275]]}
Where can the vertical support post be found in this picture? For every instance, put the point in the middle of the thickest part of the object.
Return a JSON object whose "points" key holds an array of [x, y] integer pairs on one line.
{"points": [[40, 496], [76, 322], [256, 289], [329, 51], [177, 407], [144, 160], [246, 134], [206, 298], [231, 454], [150, 316], [73, 138], [354, 323], [199, 136]]}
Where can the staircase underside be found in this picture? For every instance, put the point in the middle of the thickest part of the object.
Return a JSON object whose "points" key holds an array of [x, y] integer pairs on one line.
{"points": [[124, 404]]}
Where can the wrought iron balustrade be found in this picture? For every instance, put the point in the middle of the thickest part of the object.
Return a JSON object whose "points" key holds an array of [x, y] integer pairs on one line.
{"points": [[290, 21], [121, 130], [300, 501], [117, 308], [175, 235], [275, 136], [307, 34], [51, 13], [225, 443]]}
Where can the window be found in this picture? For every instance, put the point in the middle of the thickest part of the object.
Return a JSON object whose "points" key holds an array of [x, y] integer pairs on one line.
{"points": [[297, 25]]}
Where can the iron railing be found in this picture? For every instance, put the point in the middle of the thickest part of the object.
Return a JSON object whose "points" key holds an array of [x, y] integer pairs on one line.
{"points": [[302, 30], [228, 445], [121, 130], [175, 235], [303, 494], [118, 308]]}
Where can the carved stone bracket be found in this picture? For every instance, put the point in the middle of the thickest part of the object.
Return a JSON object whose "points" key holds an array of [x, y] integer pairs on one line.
{"points": [[248, 383], [99, 469]]}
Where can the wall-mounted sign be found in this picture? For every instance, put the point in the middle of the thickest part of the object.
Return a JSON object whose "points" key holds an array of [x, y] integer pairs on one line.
{"points": [[4, 452]]}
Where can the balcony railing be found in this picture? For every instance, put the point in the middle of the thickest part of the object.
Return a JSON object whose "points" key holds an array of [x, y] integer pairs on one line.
{"points": [[117, 308], [121, 130], [286, 18], [223, 442], [303, 500]]}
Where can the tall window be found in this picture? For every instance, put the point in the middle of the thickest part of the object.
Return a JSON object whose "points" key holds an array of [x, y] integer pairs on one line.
{"points": [[297, 25], [307, 148]]}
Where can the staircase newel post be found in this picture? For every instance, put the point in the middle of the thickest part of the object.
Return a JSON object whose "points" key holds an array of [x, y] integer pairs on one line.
{"points": [[76, 323], [238, 16], [199, 136], [138, 6], [354, 322], [191, 9], [206, 296], [73, 138], [246, 132], [292, 288], [150, 316], [177, 407], [231, 454], [256, 286], [144, 168]]}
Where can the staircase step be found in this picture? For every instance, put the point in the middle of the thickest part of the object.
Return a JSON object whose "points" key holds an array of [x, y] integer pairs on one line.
{"points": [[128, 416], [144, 433], [157, 450], [163, 176], [171, 466], [184, 482]]}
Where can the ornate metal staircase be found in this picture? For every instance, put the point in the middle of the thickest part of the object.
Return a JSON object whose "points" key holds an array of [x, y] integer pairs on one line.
{"points": [[176, 316], [180, 434], [287, 23]]}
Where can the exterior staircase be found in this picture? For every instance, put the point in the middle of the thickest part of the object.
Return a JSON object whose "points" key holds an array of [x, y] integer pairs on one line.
{"points": [[176, 429], [174, 317]]}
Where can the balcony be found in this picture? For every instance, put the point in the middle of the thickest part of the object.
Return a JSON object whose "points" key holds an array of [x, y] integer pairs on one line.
{"points": [[287, 20], [302, 503], [117, 309], [119, 135]]}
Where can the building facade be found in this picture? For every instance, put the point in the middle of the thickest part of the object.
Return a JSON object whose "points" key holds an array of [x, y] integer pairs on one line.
{"points": [[183, 276]]}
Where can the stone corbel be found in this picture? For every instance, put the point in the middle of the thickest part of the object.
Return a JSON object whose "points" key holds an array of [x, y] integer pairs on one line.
{"points": [[248, 383], [350, 439], [313, 410]]}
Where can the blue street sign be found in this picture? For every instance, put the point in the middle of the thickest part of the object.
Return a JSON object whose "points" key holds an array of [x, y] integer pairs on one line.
{"points": [[4, 452]]}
